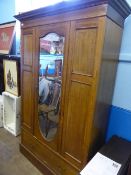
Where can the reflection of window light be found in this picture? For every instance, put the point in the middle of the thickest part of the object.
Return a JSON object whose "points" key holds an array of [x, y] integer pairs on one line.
{"points": [[34, 4], [39, 3]]}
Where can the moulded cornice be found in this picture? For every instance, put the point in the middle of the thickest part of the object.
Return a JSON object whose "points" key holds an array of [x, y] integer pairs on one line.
{"points": [[121, 6]]}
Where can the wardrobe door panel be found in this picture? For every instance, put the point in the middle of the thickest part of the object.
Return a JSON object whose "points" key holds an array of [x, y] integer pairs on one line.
{"points": [[27, 100], [79, 92], [28, 41], [50, 71], [27, 84], [84, 47], [76, 123], [85, 51], [28, 49]]}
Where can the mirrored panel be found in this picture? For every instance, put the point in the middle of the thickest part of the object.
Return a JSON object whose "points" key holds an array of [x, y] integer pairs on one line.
{"points": [[50, 73]]}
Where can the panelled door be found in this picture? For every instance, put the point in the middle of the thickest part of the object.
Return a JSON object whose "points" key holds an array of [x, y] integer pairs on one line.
{"points": [[81, 89], [50, 80], [27, 88]]}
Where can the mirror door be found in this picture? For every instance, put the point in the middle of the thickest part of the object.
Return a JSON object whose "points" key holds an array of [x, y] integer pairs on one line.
{"points": [[51, 59], [50, 69]]}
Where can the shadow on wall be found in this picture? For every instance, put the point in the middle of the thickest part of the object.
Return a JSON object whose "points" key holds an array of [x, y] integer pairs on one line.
{"points": [[119, 123]]}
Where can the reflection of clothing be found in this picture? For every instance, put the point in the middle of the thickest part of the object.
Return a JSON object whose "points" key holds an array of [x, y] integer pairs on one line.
{"points": [[43, 89]]}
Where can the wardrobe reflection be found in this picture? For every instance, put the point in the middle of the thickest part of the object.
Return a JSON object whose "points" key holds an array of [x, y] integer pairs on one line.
{"points": [[50, 73]]}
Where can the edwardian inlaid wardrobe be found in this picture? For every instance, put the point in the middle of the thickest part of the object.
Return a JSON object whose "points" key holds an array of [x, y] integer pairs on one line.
{"points": [[69, 59]]}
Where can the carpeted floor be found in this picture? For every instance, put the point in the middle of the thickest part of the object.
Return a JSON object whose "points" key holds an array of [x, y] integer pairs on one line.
{"points": [[12, 162]]}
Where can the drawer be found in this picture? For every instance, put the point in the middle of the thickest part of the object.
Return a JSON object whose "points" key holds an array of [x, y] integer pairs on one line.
{"points": [[51, 159]]}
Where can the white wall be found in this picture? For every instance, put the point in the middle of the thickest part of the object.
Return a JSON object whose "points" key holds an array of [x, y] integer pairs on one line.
{"points": [[122, 92]]}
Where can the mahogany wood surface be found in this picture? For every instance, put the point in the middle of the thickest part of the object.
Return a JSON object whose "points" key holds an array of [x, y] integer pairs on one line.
{"points": [[27, 74], [93, 32]]}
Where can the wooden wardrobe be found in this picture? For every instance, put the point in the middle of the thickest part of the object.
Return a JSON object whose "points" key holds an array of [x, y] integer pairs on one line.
{"points": [[92, 32]]}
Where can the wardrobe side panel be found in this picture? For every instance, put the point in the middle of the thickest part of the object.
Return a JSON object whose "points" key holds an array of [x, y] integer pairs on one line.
{"points": [[110, 56]]}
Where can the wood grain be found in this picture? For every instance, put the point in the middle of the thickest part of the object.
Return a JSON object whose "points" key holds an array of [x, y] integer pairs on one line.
{"points": [[92, 43]]}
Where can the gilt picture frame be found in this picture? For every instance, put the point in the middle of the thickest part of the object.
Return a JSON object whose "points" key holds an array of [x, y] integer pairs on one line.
{"points": [[11, 78], [7, 33]]}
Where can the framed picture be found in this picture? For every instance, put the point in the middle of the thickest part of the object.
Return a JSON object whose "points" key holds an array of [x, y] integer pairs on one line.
{"points": [[7, 33], [11, 77]]}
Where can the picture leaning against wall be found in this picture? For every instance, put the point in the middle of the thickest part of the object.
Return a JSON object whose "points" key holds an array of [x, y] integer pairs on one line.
{"points": [[11, 77]]}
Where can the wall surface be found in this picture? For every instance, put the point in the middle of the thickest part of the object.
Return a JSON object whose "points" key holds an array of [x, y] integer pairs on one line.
{"points": [[120, 115], [33, 4], [122, 93], [7, 10]]}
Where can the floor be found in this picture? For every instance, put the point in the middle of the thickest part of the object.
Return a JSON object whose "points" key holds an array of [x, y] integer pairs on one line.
{"points": [[12, 162]]}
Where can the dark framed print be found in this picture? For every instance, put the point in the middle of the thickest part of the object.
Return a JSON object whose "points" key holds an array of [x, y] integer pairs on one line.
{"points": [[11, 77], [7, 33]]}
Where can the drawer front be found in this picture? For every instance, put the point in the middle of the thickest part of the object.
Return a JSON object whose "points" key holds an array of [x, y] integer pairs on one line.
{"points": [[51, 159]]}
